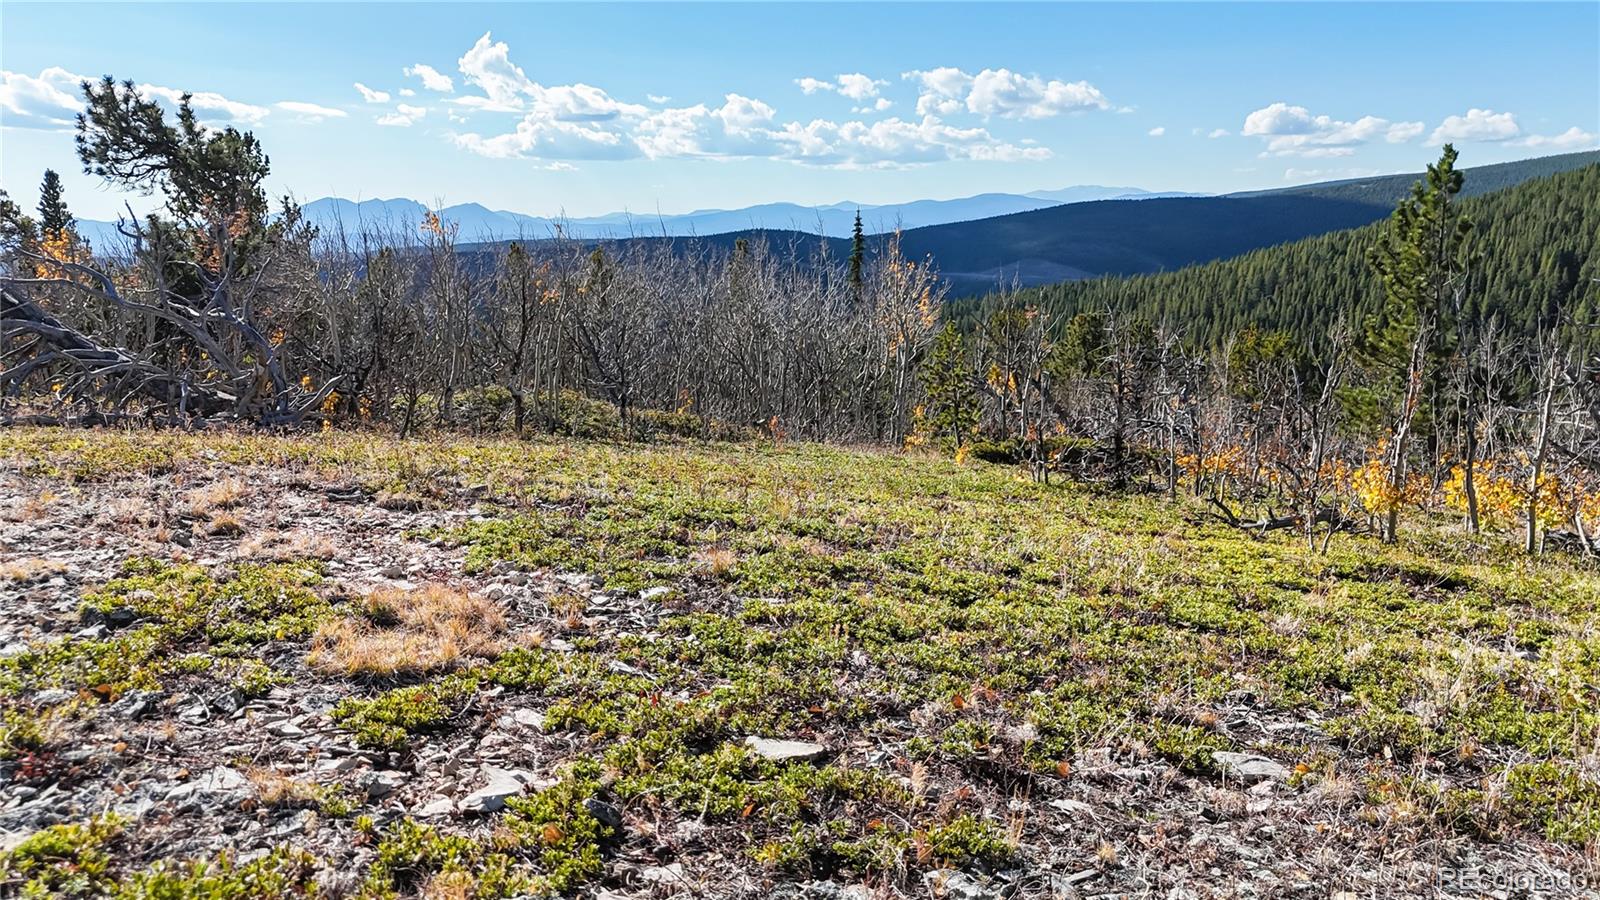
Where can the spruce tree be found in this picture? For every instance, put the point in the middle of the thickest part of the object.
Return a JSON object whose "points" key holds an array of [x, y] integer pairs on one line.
{"points": [[1422, 261], [948, 380], [54, 219], [858, 255]]}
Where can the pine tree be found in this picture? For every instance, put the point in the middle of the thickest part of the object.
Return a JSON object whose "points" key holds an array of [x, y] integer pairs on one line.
{"points": [[54, 218], [948, 381], [858, 255], [1422, 261]]}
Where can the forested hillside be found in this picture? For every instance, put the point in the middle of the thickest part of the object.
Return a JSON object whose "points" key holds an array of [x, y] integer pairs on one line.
{"points": [[1387, 190], [1540, 241], [1118, 237]]}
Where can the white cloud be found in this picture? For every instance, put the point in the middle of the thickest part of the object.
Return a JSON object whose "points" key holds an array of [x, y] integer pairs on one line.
{"points": [[1294, 131], [941, 90], [1218, 133], [1573, 138], [370, 95], [404, 116], [432, 78], [1476, 125], [50, 101], [407, 92], [1158, 131], [1304, 175], [1401, 132], [854, 86], [583, 122], [488, 66], [552, 139], [657, 99], [1001, 92], [311, 112], [220, 107], [859, 87]]}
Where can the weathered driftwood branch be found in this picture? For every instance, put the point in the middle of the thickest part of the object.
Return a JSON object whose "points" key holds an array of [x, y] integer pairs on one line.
{"points": [[92, 360]]}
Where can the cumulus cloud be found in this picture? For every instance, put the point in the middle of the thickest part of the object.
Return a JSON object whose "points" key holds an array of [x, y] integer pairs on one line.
{"points": [[1573, 138], [1477, 125], [310, 112], [404, 116], [370, 95], [1001, 92], [1302, 175], [1294, 131], [1158, 131], [584, 122], [52, 99], [1218, 133], [209, 104], [941, 91], [432, 78], [49, 101], [854, 86]]}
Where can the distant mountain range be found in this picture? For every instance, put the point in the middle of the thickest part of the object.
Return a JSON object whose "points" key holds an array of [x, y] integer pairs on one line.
{"points": [[1075, 241], [983, 241], [478, 223]]}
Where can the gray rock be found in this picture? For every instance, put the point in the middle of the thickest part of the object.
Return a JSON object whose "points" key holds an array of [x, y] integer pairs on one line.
{"points": [[381, 783], [663, 875], [220, 786], [435, 808], [950, 885], [135, 704], [605, 812], [52, 697], [1249, 768], [336, 765], [778, 750], [654, 593], [501, 784]]}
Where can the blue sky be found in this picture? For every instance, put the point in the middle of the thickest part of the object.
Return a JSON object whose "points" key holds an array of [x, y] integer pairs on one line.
{"points": [[587, 109]]}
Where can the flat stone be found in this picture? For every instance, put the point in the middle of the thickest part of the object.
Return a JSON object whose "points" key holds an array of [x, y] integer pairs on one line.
{"points": [[958, 886], [219, 785], [435, 808], [1248, 767], [604, 812], [501, 785], [778, 750], [382, 783], [662, 874]]}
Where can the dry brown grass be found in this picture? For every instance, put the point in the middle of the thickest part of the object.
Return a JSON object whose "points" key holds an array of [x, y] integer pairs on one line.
{"points": [[286, 546], [224, 524], [450, 886], [33, 508], [718, 560], [409, 632], [33, 568], [224, 494], [274, 788]]}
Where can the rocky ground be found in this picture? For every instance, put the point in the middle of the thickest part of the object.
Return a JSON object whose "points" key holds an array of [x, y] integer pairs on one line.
{"points": [[230, 758]]}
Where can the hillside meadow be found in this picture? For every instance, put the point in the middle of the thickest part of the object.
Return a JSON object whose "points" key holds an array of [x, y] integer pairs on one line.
{"points": [[341, 664]]}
